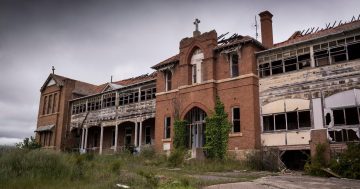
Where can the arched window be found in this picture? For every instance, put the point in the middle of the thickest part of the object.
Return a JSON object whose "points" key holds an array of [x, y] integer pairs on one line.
{"points": [[196, 60]]}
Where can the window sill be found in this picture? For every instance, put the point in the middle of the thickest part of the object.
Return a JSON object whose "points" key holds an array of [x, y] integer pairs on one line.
{"points": [[166, 140], [235, 134]]}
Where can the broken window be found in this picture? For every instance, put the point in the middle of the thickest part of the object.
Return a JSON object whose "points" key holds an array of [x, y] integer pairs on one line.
{"points": [[143, 97], [268, 123], [79, 107], [353, 51], [328, 118], [304, 119], [94, 103], [264, 70], [148, 93], [168, 78], [277, 67], [236, 119], [290, 64], [351, 115], [234, 60], [339, 117], [304, 61], [167, 127], [280, 122], [109, 99], [292, 120], [321, 57], [346, 116], [338, 54], [344, 135]]}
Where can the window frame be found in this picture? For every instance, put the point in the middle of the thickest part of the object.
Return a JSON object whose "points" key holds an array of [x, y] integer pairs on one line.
{"points": [[167, 127], [234, 66], [233, 120]]}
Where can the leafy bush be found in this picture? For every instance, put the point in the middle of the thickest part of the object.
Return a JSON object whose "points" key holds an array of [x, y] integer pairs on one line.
{"points": [[217, 132], [29, 144], [348, 163], [315, 164], [262, 160], [176, 157], [147, 151]]}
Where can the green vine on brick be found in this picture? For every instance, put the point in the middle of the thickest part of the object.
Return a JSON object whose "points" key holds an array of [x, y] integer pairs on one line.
{"points": [[217, 132], [180, 134]]}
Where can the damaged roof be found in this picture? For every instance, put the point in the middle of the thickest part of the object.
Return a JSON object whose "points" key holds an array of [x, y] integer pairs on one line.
{"points": [[297, 36], [171, 60]]}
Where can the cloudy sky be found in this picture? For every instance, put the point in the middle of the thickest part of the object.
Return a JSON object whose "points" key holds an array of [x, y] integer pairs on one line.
{"points": [[92, 40]]}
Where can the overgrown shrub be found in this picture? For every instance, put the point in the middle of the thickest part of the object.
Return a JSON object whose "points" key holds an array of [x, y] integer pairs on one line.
{"points": [[28, 143], [32, 164], [315, 164], [151, 180], [147, 151], [348, 163], [176, 157], [263, 160], [217, 132]]}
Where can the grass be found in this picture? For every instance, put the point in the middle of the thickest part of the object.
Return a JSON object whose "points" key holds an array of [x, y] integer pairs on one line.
{"points": [[47, 169]]}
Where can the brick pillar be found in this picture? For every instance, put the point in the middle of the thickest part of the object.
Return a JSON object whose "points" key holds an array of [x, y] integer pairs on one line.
{"points": [[319, 136]]}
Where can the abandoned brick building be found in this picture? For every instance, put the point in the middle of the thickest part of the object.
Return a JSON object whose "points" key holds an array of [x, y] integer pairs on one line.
{"points": [[290, 96]]}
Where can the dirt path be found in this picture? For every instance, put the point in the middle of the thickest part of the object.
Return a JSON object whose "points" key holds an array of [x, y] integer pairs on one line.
{"points": [[292, 182]]}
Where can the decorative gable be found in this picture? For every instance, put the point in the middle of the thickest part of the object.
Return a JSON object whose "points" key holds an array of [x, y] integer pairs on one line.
{"points": [[51, 82]]}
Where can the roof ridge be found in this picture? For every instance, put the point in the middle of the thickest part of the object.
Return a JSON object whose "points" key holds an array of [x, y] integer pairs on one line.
{"points": [[298, 35]]}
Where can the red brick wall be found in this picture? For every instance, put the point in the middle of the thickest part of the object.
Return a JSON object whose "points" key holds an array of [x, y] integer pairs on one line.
{"points": [[242, 91]]}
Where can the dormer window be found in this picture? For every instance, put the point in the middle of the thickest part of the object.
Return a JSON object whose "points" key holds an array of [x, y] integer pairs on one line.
{"points": [[168, 78], [196, 60], [234, 65]]}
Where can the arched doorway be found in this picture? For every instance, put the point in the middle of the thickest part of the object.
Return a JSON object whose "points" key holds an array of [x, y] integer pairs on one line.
{"points": [[196, 127]]}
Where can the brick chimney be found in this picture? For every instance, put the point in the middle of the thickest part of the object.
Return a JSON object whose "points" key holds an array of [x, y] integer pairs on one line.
{"points": [[266, 29]]}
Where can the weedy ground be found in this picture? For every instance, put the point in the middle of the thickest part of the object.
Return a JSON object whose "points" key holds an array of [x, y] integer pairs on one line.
{"points": [[47, 169]]}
